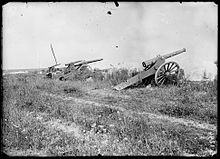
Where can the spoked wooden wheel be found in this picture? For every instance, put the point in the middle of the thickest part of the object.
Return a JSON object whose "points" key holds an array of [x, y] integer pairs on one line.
{"points": [[167, 73]]}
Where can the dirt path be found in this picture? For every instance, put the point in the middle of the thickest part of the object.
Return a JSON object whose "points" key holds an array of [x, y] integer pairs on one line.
{"points": [[54, 123], [69, 128], [163, 118], [107, 93]]}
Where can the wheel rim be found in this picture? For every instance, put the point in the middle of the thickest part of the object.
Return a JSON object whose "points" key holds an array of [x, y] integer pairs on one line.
{"points": [[167, 73]]}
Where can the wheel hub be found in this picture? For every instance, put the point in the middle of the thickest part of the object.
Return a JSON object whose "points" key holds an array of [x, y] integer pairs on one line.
{"points": [[167, 73]]}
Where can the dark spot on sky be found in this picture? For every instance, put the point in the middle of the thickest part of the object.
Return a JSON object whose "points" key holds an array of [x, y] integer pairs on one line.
{"points": [[21, 14], [109, 12], [116, 46], [116, 3]]}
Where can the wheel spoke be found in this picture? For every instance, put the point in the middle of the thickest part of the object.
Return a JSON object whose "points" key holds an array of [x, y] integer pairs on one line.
{"points": [[171, 65], [161, 73], [167, 65], [175, 71], [174, 68], [164, 67], [161, 79], [162, 76]]}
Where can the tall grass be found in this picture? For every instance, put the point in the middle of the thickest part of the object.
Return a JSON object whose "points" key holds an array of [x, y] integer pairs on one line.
{"points": [[195, 100], [23, 101]]}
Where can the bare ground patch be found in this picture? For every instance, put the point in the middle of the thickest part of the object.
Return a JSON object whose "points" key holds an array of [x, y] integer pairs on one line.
{"points": [[107, 93]]}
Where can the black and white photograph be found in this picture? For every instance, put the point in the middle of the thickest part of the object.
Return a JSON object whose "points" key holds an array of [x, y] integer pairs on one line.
{"points": [[109, 79]]}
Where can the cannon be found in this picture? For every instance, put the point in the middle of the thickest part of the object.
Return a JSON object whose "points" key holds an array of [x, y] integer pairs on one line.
{"points": [[156, 70], [78, 68]]}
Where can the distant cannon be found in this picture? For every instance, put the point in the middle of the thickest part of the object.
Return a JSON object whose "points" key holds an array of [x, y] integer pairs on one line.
{"points": [[81, 63], [77, 68], [157, 68]]}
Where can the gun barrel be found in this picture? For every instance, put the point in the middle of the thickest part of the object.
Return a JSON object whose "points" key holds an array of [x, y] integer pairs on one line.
{"points": [[87, 62], [151, 61], [71, 63], [174, 53]]}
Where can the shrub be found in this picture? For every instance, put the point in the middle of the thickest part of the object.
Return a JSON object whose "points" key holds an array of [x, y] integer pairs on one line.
{"points": [[118, 76]]}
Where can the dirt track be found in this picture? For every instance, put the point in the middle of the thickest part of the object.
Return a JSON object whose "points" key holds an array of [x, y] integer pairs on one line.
{"points": [[163, 118]]}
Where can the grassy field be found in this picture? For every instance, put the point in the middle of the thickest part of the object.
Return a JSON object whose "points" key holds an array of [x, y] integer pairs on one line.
{"points": [[44, 117]]}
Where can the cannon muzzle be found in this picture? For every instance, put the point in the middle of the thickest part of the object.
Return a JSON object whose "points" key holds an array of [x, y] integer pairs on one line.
{"points": [[174, 53]]}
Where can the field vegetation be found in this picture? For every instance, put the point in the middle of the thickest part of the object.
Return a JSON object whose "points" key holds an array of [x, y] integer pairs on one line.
{"points": [[46, 117]]}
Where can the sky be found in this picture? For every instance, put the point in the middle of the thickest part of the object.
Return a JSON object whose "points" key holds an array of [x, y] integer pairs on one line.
{"points": [[134, 32]]}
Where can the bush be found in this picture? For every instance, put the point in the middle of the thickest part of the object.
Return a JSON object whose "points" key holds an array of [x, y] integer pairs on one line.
{"points": [[118, 76]]}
